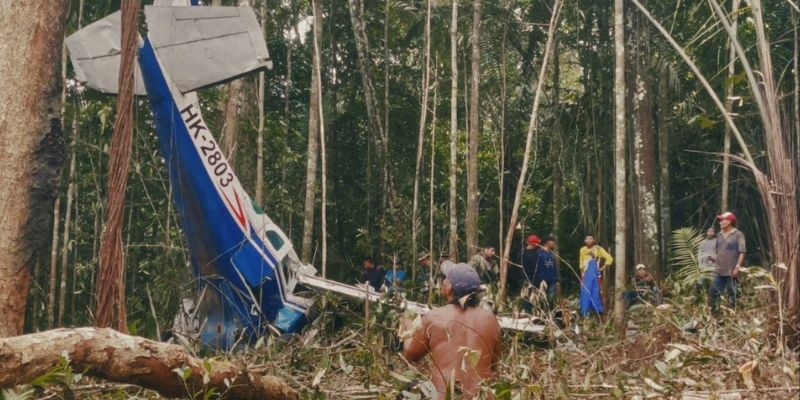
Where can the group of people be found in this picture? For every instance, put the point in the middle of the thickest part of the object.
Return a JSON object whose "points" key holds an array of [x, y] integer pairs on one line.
{"points": [[462, 330]]}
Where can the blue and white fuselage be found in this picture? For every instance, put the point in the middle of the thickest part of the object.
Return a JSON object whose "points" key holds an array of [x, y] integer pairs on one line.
{"points": [[233, 248], [246, 267]]}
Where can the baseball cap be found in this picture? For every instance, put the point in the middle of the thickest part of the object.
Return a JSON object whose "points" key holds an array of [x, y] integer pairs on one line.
{"points": [[463, 279], [446, 266], [727, 215], [423, 256], [640, 266], [534, 240]]}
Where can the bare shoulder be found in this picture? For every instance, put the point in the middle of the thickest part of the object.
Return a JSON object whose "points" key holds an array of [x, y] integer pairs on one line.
{"points": [[487, 316]]}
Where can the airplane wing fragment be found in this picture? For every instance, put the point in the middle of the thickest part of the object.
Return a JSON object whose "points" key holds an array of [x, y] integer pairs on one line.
{"points": [[198, 46]]}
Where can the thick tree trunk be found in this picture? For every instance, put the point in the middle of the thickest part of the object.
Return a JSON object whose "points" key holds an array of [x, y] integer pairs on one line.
{"points": [[474, 132], [523, 175], [453, 203], [620, 169], [423, 116], [313, 149], [646, 242], [107, 354], [31, 145], [111, 277]]}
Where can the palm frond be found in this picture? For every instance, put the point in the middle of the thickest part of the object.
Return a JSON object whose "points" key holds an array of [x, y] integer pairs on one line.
{"points": [[685, 242]]}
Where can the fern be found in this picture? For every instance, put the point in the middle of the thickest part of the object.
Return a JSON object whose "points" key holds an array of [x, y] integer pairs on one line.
{"points": [[685, 242]]}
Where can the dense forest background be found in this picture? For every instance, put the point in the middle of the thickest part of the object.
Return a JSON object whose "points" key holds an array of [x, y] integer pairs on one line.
{"points": [[676, 134]]}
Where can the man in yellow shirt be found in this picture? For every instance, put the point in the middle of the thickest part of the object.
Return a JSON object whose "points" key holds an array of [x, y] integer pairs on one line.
{"points": [[592, 250]]}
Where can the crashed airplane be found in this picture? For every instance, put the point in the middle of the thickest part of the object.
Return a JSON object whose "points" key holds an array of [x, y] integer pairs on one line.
{"points": [[247, 269]]}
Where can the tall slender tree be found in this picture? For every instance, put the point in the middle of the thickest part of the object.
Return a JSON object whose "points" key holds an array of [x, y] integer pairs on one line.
{"points": [[474, 131], [523, 174], [262, 11], [375, 126], [726, 146], [620, 207], [317, 8], [646, 243], [313, 146], [453, 203], [423, 116]]}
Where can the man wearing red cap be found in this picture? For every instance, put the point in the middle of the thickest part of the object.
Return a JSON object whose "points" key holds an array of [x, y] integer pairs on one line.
{"points": [[731, 249], [529, 258]]}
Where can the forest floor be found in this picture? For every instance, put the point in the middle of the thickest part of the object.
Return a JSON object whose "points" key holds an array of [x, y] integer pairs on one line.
{"points": [[675, 350]]}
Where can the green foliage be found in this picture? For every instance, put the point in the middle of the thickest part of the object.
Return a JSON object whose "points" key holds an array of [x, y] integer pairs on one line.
{"points": [[684, 245]]}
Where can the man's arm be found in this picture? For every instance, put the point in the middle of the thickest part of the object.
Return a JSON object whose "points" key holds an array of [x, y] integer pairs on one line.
{"points": [[605, 256], [416, 346], [742, 245]]}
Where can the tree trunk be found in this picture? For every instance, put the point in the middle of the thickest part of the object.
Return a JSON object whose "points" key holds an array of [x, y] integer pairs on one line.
{"points": [[431, 206], [620, 168], [53, 292], [233, 110], [32, 150], [423, 116], [664, 127], [726, 146], [646, 241], [111, 280], [501, 158], [71, 186], [110, 355], [796, 89], [555, 152], [260, 140], [454, 132], [474, 132], [317, 34], [51, 306], [376, 127], [313, 144], [551, 31]]}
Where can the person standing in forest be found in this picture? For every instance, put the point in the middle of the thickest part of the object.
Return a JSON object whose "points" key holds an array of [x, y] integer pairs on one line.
{"points": [[592, 250], [462, 338], [707, 256], [731, 249], [546, 276], [373, 275], [529, 258], [485, 263]]}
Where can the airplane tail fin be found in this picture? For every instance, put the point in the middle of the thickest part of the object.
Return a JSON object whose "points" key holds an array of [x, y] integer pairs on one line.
{"points": [[198, 47]]}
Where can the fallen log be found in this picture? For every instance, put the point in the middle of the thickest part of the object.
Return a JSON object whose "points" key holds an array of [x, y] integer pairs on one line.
{"points": [[108, 354]]}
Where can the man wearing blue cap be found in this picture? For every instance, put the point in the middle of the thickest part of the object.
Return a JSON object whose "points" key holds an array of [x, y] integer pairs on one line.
{"points": [[463, 339]]}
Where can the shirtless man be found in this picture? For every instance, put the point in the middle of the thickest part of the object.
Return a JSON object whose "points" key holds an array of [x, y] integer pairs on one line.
{"points": [[464, 340]]}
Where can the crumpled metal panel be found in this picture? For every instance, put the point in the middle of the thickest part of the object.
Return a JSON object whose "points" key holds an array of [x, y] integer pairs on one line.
{"points": [[198, 47], [201, 46], [95, 54]]}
